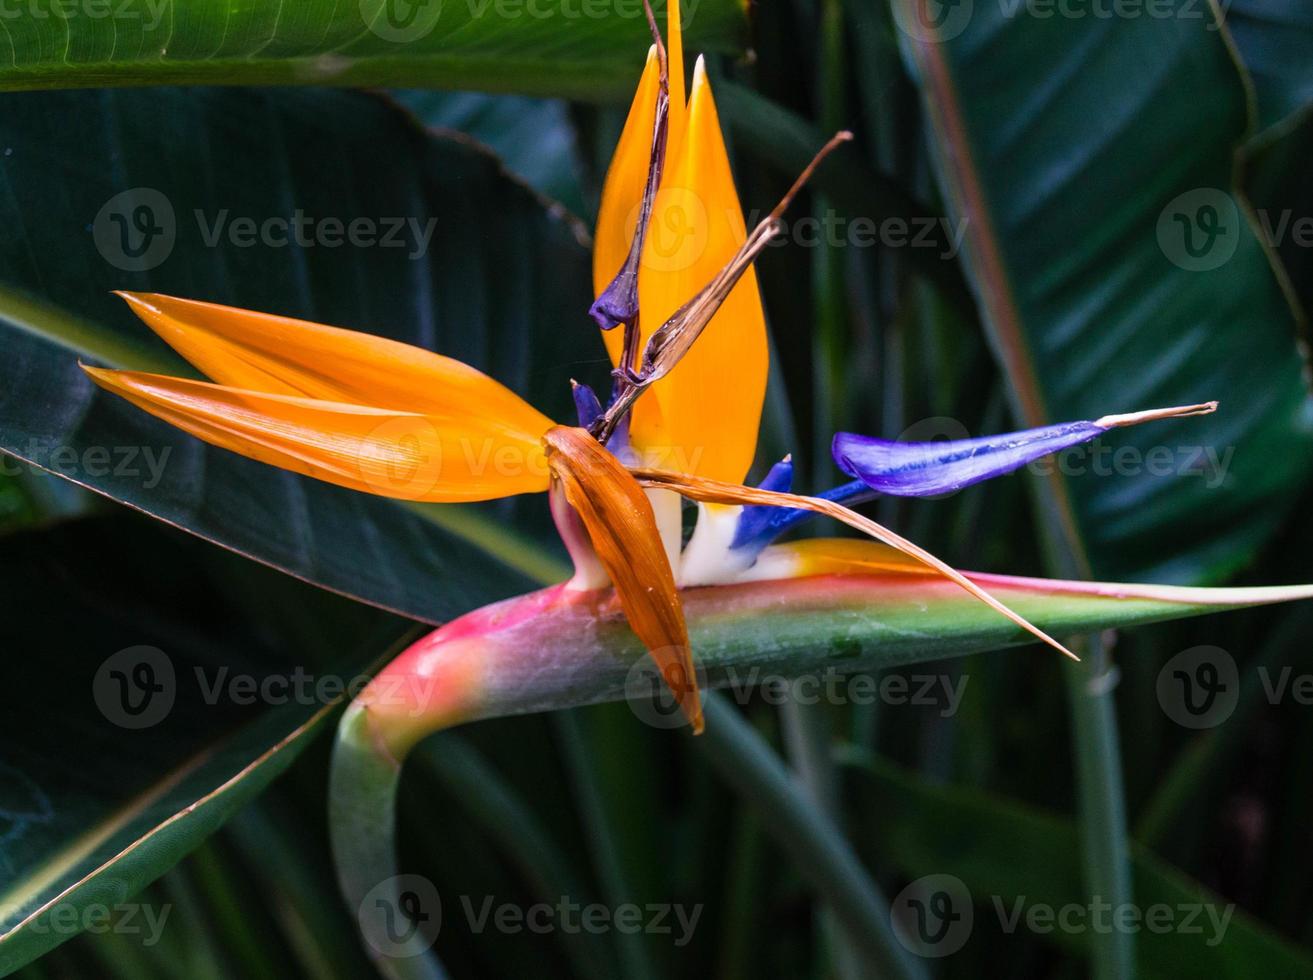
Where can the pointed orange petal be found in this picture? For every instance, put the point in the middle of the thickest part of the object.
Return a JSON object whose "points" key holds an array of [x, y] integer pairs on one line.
{"points": [[394, 454], [623, 530], [703, 417], [675, 72], [623, 190], [284, 356]]}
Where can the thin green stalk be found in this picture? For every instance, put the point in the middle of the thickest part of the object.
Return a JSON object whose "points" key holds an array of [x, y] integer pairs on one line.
{"points": [[737, 942], [467, 776], [821, 855], [1100, 794], [248, 944], [632, 948], [286, 864], [1101, 800]]}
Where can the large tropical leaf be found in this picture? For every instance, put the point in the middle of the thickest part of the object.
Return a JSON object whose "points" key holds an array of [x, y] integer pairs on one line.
{"points": [[1273, 38], [1104, 242], [500, 284], [538, 47], [534, 138], [107, 782]]}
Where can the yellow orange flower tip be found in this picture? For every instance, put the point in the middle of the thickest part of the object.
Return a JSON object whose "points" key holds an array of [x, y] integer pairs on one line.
{"points": [[700, 72], [141, 303]]}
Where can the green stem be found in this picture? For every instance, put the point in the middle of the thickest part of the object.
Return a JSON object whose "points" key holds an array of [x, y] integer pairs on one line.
{"points": [[1104, 844], [821, 855], [552, 649], [1100, 794], [632, 948], [362, 799], [514, 824]]}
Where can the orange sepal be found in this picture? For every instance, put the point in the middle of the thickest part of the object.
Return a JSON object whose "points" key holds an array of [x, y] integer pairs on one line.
{"points": [[280, 355], [623, 530], [408, 455]]}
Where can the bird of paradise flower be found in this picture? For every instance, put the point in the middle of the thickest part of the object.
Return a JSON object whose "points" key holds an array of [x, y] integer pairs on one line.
{"points": [[690, 371], [682, 321]]}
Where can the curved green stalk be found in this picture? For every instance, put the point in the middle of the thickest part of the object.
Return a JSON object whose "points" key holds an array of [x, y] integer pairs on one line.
{"points": [[559, 648], [362, 799]]}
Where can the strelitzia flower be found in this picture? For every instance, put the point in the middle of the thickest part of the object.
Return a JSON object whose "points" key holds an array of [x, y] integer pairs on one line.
{"points": [[683, 323], [682, 320]]}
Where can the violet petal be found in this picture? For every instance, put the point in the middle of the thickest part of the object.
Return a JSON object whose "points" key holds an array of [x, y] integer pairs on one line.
{"points": [[920, 469], [586, 404]]}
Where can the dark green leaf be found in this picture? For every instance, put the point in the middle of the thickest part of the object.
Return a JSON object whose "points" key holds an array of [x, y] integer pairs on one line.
{"points": [[1274, 38], [108, 781], [500, 284], [576, 48], [1104, 243], [534, 138]]}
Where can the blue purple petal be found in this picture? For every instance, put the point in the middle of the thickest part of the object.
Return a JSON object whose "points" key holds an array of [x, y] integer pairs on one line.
{"points": [[921, 469], [760, 525], [586, 404]]}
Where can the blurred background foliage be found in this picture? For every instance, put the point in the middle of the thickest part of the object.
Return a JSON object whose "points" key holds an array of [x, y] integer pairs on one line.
{"points": [[1052, 146]]}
